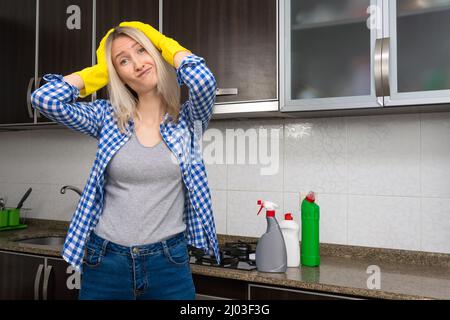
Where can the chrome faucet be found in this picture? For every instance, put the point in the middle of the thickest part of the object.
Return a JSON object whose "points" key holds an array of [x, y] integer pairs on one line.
{"points": [[63, 189]]}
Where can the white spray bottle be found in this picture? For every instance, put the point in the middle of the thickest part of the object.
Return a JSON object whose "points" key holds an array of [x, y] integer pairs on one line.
{"points": [[271, 249]]}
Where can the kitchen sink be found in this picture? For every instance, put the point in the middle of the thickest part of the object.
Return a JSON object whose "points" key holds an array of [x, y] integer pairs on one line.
{"points": [[55, 242]]}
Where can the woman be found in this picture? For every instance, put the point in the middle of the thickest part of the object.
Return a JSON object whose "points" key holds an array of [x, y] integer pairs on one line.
{"points": [[147, 195]]}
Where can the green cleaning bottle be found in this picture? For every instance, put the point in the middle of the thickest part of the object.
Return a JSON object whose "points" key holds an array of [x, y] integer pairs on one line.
{"points": [[310, 255]]}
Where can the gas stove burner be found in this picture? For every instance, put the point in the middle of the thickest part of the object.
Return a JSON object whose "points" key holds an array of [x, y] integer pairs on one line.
{"points": [[239, 249], [226, 262], [242, 246], [230, 257]]}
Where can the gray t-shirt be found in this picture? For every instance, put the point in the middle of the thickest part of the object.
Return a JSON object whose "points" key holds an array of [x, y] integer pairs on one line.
{"points": [[144, 196]]}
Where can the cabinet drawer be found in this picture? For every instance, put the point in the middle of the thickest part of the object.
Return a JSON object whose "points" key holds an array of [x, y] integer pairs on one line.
{"points": [[220, 288], [259, 292]]}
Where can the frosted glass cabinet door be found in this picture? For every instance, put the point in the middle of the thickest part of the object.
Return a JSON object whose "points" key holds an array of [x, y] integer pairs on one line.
{"points": [[420, 51], [327, 54]]}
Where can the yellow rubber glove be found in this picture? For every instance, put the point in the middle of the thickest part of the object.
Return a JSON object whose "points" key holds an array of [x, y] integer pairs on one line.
{"points": [[168, 46], [95, 77]]}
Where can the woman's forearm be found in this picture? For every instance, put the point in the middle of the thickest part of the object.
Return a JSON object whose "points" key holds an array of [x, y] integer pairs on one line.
{"points": [[179, 56], [75, 80]]}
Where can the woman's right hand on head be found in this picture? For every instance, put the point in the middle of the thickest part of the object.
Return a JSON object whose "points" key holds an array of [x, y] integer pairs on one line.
{"points": [[95, 77]]}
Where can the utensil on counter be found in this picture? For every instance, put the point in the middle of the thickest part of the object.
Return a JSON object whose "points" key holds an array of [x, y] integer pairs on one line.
{"points": [[3, 214], [25, 196]]}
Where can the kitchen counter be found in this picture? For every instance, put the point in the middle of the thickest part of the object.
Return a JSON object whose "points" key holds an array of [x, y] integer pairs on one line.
{"points": [[343, 269], [36, 228]]}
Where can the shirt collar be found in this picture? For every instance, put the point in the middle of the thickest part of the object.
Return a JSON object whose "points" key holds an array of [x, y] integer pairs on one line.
{"points": [[167, 118]]}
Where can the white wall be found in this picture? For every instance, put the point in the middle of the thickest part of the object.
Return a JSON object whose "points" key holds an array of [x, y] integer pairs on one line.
{"points": [[381, 181]]}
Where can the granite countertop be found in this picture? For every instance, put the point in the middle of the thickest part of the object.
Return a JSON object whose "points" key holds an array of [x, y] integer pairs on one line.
{"points": [[343, 269]]}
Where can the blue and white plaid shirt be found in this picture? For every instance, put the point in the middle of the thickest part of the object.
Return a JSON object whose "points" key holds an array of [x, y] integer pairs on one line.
{"points": [[56, 100]]}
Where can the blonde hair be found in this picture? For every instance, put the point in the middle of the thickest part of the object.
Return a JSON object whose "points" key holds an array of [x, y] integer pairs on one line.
{"points": [[123, 99]]}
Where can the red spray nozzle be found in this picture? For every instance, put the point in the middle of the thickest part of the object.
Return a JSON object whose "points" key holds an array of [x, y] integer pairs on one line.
{"points": [[270, 206], [288, 216], [260, 203]]}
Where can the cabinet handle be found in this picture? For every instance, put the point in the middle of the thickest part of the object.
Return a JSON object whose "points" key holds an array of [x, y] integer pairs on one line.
{"points": [[37, 280], [226, 91], [38, 84], [377, 68], [30, 86], [381, 67], [47, 273], [385, 67]]}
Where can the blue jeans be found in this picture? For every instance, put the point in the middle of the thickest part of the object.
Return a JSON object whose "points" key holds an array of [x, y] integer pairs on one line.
{"points": [[155, 271]]}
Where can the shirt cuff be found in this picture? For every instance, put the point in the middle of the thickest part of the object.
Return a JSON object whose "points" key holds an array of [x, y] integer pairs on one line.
{"points": [[60, 79], [190, 60]]}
